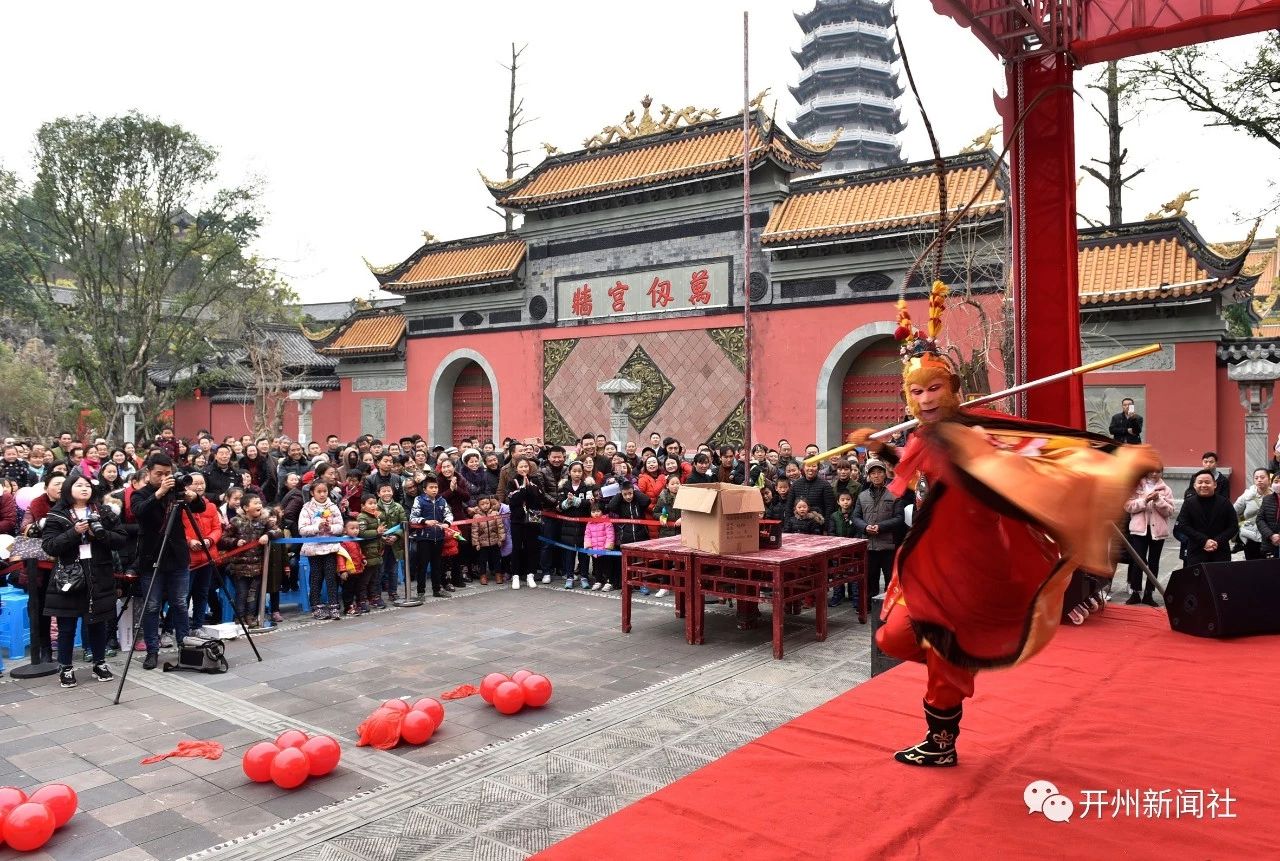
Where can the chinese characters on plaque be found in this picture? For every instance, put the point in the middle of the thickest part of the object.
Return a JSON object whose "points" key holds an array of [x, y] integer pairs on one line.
{"points": [[682, 288]]}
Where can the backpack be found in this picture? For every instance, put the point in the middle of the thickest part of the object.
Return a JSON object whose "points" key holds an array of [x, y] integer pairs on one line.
{"points": [[196, 653]]}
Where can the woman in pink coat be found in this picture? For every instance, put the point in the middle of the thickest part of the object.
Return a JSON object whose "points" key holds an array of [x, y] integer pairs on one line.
{"points": [[1150, 511]]}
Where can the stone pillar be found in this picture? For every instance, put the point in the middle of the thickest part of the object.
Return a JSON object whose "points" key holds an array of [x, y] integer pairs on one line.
{"points": [[129, 406], [305, 398], [1256, 379], [619, 390]]}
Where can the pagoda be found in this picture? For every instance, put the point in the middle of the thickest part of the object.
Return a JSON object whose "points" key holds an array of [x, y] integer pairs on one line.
{"points": [[848, 81]]}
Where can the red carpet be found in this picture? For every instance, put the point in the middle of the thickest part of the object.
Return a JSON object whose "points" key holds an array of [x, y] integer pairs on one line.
{"points": [[1120, 704]]}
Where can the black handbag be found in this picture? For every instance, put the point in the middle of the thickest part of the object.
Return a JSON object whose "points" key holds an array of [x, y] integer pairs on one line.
{"points": [[68, 576]]}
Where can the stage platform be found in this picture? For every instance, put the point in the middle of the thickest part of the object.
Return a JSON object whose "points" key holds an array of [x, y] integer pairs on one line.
{"points": [[1163, 743]]}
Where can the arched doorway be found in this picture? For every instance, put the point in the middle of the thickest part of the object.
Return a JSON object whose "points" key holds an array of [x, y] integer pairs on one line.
{"points": [[870, 394], [830, 396], [472, 404], [463, 399]]}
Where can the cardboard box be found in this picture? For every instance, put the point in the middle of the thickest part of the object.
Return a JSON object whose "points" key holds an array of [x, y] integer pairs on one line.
{"points": [[720, 518]]}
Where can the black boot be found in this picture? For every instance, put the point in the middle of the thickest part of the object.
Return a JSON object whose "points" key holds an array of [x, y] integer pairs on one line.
{"points": [[938, 750], [1149, 598]]}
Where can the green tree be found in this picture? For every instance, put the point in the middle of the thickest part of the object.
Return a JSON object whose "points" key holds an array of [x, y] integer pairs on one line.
{"points": [[125, 246]]}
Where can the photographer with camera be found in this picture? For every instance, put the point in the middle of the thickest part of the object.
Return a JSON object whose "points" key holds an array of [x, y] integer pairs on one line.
{"points": [[82, 536], [172, 571]]}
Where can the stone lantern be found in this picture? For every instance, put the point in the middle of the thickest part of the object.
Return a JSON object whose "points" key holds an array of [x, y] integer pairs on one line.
{"points": [[129, 406], [619, 390], [1256, 379], [305, 398]]}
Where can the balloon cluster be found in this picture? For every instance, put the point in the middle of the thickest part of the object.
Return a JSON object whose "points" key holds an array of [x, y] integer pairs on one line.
{"points": [[510, 694], [28, 823], [291, 759], [396, 720]]}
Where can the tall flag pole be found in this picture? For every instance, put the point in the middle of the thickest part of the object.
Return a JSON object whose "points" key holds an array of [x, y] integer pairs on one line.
{"points": [[746, 252]]}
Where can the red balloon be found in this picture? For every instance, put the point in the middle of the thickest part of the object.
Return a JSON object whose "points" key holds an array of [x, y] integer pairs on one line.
{"points": [[291, 738], [417, 727], [323, 753], [537, 690], [398, 705], [431, 707], [61, 801], [257, 761], [28, 826], [289, 769], [6, 805], [508, 698], [520, 675], [489, 684], [12, 794]]}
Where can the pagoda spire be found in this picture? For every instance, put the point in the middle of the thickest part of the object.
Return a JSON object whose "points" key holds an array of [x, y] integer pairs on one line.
{"points": [[848, 80]]}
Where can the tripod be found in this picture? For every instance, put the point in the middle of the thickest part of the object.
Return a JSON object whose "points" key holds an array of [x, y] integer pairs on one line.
{"points": [[170, 521]]}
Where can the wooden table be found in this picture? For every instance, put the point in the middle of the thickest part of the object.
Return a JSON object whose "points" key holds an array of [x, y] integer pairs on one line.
{"points": [[797, 573], [661, 563]]}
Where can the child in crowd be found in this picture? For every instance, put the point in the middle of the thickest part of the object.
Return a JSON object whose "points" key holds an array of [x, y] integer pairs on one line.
{"points": [[664, 508], [598, 536], [352, 494], [782, 506], [352, 570], [841, 526], [280, 572], [804, 521], [321, 517], [252, 526], [431, 513], [390, 515], [772, 505], [371, 543], [487, 535]]}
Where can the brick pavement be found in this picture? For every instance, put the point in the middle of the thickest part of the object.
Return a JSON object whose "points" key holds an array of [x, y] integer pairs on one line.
{"points": [[329, 676]]}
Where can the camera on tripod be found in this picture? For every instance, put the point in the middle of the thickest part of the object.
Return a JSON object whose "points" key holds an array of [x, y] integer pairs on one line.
{"points": [[183, 479]]}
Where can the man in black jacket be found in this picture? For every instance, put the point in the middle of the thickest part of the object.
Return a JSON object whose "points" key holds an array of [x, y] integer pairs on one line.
{"points": [[552, 474], [220, 475], [383, 475], [811, 489], [172, 571], [1126, 425]]}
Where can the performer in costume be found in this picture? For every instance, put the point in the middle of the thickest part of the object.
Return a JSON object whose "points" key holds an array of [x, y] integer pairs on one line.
{"points": [[1013, 506]]}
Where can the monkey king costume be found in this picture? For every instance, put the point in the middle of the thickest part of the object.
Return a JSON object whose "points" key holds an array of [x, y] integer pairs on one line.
{"points": [[1012, 508]]}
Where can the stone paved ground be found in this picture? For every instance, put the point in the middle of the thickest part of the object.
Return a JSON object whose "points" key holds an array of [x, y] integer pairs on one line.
{"points": [[631, 713]]}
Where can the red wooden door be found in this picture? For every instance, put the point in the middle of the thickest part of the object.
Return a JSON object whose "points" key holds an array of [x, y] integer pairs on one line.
{"points": [[472, 405], [871, 396]]}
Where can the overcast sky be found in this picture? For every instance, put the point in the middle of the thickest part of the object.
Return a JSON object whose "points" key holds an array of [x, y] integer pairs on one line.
{"points": [[366, 122]]}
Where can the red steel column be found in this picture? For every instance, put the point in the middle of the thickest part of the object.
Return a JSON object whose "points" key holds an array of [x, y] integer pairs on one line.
{"points": [[1042, 171]]}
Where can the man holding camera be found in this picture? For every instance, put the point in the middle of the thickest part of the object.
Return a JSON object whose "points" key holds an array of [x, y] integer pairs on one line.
{"points": [[172, 571]]}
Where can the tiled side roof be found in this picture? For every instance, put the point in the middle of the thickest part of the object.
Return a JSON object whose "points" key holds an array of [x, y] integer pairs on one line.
{"points": [[456, 264], [694, 152], [1137, 270], [1157, 260], [858, 206], [367, 335]]}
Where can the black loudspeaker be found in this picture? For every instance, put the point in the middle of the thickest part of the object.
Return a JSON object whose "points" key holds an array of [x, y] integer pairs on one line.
{"points": [[1225, 599], [879, 660]]}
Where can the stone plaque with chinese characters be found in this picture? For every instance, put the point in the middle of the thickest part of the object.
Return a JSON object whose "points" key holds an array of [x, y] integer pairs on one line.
{"points": [[676, 288]]}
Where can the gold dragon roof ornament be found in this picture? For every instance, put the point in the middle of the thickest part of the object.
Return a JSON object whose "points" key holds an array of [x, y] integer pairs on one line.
{"points": [[632, 128]]}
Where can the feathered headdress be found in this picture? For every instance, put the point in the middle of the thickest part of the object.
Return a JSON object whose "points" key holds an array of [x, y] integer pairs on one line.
{"points": [[919, 349]]}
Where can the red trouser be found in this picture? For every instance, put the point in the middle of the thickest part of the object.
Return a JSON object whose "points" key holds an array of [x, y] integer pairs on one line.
{"points": [[948, 684]]}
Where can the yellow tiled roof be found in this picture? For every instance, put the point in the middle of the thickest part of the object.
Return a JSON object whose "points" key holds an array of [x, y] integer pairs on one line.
{"points": [[667, 158], [1142, 269], [468, 264], [368, 335], [897, 201]]}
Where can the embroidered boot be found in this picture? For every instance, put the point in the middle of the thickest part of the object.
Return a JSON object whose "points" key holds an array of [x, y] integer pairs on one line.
{"points": [[939, 746]]}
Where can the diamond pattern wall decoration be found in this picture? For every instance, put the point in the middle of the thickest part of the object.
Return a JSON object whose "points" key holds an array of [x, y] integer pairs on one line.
{"points": [[555, 430], [656, 388], [731, 430], [554, 354], [733, 341]]}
